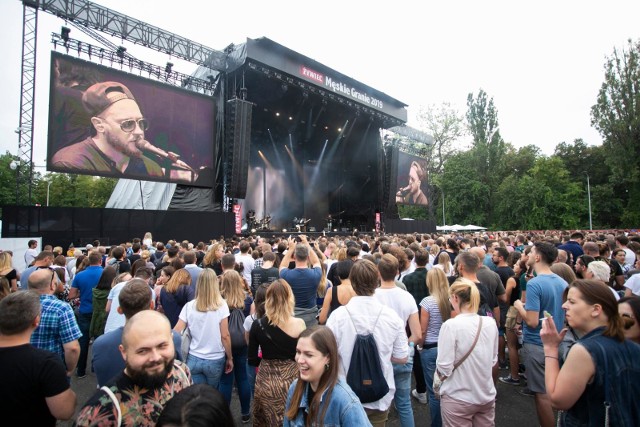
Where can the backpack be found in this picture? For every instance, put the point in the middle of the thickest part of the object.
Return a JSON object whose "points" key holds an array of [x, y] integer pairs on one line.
{"points": [[236, 329], [365, 376], [484, 309]]}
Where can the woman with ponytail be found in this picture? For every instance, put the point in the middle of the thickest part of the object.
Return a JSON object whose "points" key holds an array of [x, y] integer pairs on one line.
{"points": [[318, 397], [601, 367], [467, 351]]}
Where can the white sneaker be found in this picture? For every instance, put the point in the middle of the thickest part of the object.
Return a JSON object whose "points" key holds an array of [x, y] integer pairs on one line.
{"points": [[420, 397]]}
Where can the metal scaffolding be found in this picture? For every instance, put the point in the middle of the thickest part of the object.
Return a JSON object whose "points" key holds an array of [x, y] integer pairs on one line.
{"points": [[27, 97]]}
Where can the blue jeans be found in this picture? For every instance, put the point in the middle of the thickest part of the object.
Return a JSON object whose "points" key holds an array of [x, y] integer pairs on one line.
{"points": [[242, 381], [84, 323], [402, 378], [428, 358], [205, 371], [251, 374]]}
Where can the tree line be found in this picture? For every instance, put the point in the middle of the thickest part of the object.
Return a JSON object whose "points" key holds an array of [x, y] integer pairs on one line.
{"points": [[496, 185]]}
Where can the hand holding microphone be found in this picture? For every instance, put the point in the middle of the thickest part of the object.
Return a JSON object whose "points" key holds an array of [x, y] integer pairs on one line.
{"points": [[144, 145]]}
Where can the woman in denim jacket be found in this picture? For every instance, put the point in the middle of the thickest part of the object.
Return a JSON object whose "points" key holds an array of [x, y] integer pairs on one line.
{"points": [[599, 381], [318, 397]]}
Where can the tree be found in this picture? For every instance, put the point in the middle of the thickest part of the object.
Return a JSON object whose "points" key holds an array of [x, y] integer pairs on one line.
{"points": [[446, 125], [616, 115], [465, 195]]}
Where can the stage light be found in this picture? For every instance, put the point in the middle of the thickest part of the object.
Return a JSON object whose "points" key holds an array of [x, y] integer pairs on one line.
{"points": [[290, 118], [335, 230], [277, 114], [253, 230], [284, 230], [120, 52], [339, 129], [168, 68], [64, 33]]}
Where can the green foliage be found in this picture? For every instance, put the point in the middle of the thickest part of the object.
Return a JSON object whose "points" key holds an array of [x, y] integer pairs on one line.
{"points": [[616, 115]]}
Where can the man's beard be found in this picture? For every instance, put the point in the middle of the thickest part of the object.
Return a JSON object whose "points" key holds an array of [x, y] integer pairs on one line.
{"points": [[127, 148], [149, 381]]}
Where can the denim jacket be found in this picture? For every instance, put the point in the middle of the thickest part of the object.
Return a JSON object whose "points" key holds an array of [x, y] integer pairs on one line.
{"points": [[344, 408], [624, 383]]}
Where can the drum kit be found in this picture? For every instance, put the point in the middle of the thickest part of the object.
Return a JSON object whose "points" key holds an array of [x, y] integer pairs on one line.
{"points": [[255, 224]]}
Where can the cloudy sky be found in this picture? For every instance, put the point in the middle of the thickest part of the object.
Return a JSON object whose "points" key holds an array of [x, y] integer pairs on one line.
{"points": [[542, 61]]}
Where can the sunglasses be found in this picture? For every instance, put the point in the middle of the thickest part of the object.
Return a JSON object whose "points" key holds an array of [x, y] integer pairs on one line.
{"points": [[130, 124]]}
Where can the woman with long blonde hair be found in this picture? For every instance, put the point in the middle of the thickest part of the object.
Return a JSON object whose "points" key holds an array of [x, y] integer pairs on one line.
{"points": [[444, 263], [232, 290], [175, 294], [277, 335], [434, 311], [207, 319], [467, 351], [8, 272], [213, 258]]}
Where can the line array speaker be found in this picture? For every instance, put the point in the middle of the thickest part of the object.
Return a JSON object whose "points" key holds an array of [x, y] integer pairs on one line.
{"points": [[238, 144]]}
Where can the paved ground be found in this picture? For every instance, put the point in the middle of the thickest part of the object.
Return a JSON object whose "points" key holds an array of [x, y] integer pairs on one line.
{"points": [[512, 408]]}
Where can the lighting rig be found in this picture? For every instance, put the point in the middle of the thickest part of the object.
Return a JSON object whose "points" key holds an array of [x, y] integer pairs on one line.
{"points": [[164, 74]]}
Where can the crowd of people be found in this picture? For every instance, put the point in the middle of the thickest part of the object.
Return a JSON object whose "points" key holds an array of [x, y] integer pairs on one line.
{"points": [[325, 331]]}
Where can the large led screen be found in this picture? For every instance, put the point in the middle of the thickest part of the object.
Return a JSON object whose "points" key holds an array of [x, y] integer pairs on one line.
{"points": [[412, 186], [106, 122]]}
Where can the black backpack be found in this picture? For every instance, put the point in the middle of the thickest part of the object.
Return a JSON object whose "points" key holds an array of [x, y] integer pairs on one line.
{"points": [[485, 308], [236, 329], [365, 376]]}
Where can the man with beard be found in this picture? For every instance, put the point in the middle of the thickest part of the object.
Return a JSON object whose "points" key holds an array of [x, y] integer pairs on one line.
{"points": [[412, 194], [151, 376], [117, 136], [134, 297]]}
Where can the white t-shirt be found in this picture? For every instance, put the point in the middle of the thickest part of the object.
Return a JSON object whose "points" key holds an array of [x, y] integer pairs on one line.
{"points": [[398, 300], [248, 321], [248, 262], [389, 334], [633, 283], [472, 381], [115, 319], [206, 340]]}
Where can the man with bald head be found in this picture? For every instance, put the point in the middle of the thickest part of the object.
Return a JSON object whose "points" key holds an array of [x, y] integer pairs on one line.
{"points": [[58, 330], [150, 378]]}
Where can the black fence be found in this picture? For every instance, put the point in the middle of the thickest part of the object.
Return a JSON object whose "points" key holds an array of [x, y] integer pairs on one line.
{"points": [[62, 226], [401, 226]]}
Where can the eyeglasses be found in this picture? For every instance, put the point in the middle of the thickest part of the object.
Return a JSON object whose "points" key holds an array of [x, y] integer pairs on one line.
{"points": [[130, 124], [54, 276]]}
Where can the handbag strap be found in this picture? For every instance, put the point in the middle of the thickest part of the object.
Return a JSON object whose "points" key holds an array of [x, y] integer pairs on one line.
{"points": [[115, 401], [354, 325], [607, 396], [472, 346]]}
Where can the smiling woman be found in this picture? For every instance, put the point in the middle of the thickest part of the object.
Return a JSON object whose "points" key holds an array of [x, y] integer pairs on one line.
{"points": [[318, 397]]}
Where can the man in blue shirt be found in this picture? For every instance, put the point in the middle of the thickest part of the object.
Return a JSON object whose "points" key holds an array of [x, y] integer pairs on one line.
{"points": [[58, 331], [302, 279], [574, 246], [82, 286], [544, 295]]}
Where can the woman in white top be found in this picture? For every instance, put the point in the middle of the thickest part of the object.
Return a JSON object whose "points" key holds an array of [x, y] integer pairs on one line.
{"points": [[434, 310], [444, 264], [207, 319], [467, 393]]}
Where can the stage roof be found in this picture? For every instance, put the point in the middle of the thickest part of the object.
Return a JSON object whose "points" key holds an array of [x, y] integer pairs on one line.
{"points": [[290, 67]]}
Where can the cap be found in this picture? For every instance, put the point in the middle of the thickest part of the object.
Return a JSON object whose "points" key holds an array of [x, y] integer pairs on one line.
{"points": [[100, 96]]}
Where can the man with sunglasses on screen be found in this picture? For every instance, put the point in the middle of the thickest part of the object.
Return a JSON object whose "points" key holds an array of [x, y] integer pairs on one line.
{"points": [[117, 144]]}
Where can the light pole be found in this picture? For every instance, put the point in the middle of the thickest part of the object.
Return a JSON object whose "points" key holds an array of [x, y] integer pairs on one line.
{"points": [[48, 186], [14, 165], [589, 197], [444, 220]]}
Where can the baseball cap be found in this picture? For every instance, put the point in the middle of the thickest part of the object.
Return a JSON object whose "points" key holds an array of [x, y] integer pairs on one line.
{"points": [[100, 96]]}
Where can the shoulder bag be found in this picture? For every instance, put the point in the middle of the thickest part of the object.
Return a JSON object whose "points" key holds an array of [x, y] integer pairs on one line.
{"points": [[438, 379]]}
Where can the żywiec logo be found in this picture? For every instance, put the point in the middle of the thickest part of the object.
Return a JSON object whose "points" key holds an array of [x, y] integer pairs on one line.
{"points": [[310, 74]]}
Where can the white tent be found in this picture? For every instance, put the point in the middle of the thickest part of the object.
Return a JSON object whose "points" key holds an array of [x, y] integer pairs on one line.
{"points": [[458, 227]]}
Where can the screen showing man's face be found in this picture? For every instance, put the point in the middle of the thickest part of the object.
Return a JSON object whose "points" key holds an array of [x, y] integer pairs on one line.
{"points": [[112, 119]]}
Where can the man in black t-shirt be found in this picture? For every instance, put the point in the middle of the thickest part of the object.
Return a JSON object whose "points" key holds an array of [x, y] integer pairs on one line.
{"points": [[266, 273], [34, 390], [499, 258]]}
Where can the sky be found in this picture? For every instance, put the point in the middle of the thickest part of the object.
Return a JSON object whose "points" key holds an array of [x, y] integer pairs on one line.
{"points": [[542, 62]]}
